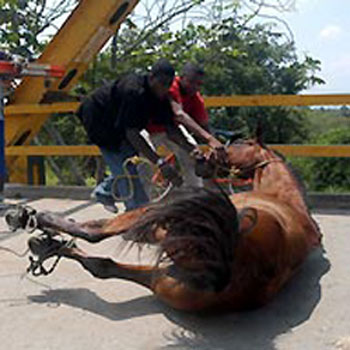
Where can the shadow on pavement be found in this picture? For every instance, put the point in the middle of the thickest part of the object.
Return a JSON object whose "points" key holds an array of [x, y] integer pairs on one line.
{"points": [[245, 330]]}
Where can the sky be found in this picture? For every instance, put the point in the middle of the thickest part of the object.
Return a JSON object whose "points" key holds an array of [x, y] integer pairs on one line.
{"points": [[321, 29]]}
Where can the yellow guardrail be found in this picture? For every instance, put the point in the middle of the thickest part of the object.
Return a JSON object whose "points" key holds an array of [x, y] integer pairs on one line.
{"points": [[277, 100], [83, 150], [211, 102]]}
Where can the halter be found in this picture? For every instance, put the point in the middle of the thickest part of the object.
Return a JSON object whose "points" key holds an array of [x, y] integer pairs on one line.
{"points": [[262, 164]]}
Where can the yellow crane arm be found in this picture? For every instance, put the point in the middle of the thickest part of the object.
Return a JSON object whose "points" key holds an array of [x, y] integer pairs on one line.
{"points": [[74, 46]]}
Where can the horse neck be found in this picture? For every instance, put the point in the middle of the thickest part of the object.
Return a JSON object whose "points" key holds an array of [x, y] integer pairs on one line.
{"points": [[275, 178]]}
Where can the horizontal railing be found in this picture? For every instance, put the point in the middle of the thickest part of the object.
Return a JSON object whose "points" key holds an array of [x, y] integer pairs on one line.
{"points": [[210, 102], [84, 150]]}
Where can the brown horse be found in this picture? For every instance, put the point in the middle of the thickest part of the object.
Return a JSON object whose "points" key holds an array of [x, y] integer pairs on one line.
{"points": [[215, 252]]}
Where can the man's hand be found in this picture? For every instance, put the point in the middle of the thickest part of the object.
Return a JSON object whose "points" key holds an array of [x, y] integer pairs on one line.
{"points": [[219, 150], [205, 168], [170, 173], [220, 155]]}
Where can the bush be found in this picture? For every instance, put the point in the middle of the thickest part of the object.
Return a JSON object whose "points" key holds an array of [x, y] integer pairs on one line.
{"points": [[329, 174]]}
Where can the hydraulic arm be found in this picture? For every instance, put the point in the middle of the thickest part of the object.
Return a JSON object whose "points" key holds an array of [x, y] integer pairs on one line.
{"points": [[81, 37]]}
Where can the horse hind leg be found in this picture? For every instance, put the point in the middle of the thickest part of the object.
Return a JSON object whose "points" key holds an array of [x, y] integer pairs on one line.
{"points": [[103, 268]]}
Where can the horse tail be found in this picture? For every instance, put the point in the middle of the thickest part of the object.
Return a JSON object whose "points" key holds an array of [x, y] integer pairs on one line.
{"points": [[201, 232]]}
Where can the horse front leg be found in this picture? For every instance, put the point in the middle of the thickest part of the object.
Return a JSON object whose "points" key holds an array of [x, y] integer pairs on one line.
{"points": [[92, 231]]}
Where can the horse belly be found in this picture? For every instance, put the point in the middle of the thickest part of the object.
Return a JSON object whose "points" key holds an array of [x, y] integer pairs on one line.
{"points": [[267, 257]]}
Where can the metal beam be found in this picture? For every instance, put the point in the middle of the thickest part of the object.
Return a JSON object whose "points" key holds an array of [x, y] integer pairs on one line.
{"points": [[210, 102], [36, 109], [81, 37], [277, 100], [83, 150]]}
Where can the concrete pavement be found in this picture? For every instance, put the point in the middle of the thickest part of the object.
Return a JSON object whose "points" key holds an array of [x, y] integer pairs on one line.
{"points": [[72, 310]]}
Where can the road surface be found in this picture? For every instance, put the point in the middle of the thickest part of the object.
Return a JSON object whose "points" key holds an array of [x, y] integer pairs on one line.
{"points": [[72, 310]]}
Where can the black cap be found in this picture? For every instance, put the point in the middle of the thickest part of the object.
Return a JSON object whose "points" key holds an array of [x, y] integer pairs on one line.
{"points": [[163, 71], [192, 69], [163, 68]]}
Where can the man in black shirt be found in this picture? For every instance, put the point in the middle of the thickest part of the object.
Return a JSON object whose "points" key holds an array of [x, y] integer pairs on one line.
{"points": [[113, 117]]}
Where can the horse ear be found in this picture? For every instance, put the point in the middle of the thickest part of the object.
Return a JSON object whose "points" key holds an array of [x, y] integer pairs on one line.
{"points": [[259, 131], [248, 218]]}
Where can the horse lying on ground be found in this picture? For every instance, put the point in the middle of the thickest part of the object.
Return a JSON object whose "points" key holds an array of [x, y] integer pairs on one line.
{"points": [[215, 252]]}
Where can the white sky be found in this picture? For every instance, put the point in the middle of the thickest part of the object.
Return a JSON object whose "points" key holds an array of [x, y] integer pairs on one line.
{"points": [[321, 29]]}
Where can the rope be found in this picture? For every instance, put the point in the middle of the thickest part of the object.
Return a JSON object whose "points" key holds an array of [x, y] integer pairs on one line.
{"points": [[9, 250], [128, 177], [135, 160]]}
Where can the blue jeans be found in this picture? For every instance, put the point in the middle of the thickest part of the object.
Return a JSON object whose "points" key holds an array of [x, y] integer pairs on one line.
{"points": [[115, 161]]}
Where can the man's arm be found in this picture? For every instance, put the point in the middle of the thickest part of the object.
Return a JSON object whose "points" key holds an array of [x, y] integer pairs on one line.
{"points": [[183, 118], [141, 145], [176, 135]]}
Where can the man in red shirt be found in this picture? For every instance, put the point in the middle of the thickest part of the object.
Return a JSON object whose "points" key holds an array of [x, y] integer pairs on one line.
{"points": [[187, 101], [185, 91]]}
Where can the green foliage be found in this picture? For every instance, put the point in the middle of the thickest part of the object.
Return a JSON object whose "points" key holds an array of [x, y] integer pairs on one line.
{"points": [[237, 60], [332, 171], [327, 174], [321, 120], [23, 21]]}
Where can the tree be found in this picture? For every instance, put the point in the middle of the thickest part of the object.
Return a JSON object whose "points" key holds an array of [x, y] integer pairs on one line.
{"points": [[329, 174], [238, 60], [240, 57], [23, 23]]}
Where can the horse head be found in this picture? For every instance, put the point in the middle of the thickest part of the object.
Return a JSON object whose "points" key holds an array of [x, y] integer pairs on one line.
{"points": [[245, 156], [268, 170]]}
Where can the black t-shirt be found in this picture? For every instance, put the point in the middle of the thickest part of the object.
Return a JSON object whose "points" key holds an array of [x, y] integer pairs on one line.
{"points": [[115, 107]]}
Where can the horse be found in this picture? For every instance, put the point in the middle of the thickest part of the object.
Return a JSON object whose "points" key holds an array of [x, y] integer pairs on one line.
{"points": [[215, 252]]}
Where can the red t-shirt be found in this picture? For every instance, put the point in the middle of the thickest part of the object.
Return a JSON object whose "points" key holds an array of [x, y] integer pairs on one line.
{"points": [[192, 105]]}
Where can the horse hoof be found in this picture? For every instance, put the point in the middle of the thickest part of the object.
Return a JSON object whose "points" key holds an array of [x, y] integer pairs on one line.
{"points": [[45, 246]]}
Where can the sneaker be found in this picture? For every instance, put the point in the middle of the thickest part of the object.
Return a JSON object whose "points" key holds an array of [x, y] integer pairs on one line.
{"points": [[107, 202]]}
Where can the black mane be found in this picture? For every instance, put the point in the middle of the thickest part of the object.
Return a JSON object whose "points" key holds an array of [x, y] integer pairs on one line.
{"points": [[201, 225]]}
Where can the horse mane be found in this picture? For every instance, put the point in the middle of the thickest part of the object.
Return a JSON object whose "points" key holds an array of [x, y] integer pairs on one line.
{"points": [[295, 173], [202, 228]]}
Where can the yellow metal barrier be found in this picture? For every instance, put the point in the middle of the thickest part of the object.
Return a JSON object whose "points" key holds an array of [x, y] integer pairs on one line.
{"points": [[31, 110], [277, 100], [210, 102], [83, 150]]}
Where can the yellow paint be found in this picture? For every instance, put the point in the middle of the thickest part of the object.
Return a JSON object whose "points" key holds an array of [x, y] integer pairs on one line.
{"points": [[83, 150], [313, 150], [277, 100], [25, 110], [210, 101]]}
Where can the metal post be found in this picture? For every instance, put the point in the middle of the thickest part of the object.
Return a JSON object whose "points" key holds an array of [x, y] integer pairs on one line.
{"points": [[2, 143]]}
